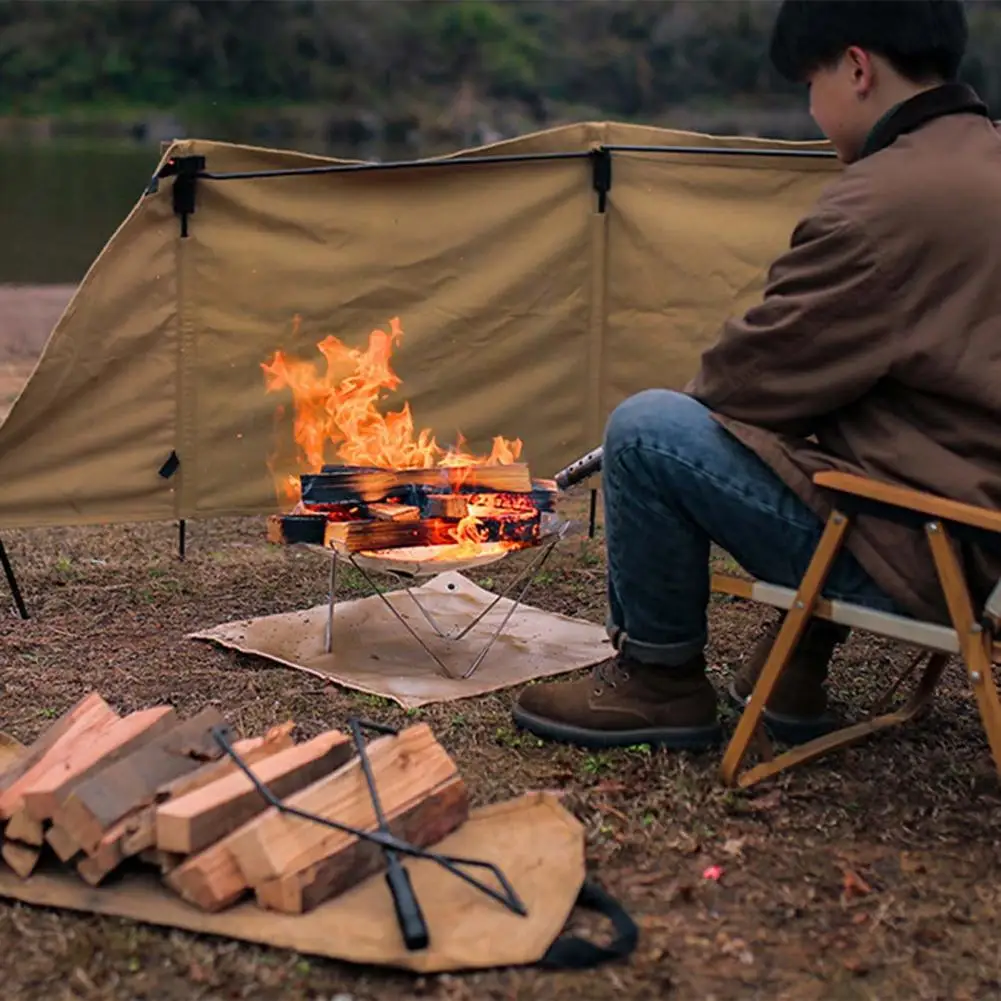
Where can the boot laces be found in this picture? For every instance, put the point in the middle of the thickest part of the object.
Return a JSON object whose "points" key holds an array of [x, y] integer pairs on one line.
{"points": [[610, 674]]}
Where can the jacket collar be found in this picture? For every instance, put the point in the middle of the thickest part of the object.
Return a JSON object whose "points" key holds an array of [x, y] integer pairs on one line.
{"points": [[948, 99]]}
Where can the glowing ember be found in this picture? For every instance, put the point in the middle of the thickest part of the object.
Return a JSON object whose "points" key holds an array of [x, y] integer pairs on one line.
{"points": [[336, 418]]}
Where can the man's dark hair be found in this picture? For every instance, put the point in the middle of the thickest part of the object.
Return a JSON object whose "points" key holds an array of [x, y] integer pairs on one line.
{"points": [[923, 40]]}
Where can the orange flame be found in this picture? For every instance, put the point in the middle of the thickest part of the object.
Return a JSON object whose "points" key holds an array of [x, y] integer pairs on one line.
{"points": [[336, 412]]}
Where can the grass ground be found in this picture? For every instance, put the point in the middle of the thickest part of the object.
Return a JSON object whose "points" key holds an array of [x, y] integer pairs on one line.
{"points": [[873, 874]]}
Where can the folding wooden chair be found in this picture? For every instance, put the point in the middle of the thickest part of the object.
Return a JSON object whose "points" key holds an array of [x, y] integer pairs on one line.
{"points": [[972, 634]]}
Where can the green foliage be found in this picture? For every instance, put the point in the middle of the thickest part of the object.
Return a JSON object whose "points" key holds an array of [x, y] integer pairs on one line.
{"points": [[629, 58]]}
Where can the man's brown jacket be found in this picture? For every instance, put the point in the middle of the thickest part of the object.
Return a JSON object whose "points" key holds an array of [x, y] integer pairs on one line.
{"points": [[879, 337]]}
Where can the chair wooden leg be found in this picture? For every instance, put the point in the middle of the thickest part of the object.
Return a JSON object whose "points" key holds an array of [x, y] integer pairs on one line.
{"points": [[789, 635], [975, 644], [857, 732]]}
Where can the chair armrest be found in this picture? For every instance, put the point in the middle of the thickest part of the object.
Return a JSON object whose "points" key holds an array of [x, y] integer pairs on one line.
{"points": [[912, 501]]}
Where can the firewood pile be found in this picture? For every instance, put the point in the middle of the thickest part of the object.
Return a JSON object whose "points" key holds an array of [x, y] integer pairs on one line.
{"points": [[100, 792], [360, 509]]}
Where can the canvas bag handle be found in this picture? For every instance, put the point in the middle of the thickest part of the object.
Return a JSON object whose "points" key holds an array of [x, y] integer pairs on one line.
{"points": [[571, 952]]}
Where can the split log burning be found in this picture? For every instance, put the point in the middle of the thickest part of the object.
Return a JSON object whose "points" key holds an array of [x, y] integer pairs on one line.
{"points": [[454, 511], [396, 489]]}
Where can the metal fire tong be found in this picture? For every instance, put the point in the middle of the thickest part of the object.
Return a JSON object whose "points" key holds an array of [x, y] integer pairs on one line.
{"points": [[409, 916]]}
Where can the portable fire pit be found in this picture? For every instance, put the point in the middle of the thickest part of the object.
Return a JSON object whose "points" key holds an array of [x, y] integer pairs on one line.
{"points": [[411, 524]]}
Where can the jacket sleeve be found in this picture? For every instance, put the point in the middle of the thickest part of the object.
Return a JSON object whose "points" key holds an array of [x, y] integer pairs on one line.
{"points": [[819, 339]]}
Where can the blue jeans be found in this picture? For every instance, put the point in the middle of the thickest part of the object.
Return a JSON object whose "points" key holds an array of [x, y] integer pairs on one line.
{"points": [[674, 481]]}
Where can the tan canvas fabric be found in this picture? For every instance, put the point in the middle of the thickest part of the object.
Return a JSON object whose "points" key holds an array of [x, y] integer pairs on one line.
{"points": [[525, 312], [689, 241], [535, 841]]}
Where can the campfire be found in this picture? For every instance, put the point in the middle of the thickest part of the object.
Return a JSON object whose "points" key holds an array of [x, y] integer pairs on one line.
{"points": [[395, 491]]}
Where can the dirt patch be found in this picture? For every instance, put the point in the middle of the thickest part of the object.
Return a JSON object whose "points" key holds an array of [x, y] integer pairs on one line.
{"points": [[27, 315], [873, 874]]}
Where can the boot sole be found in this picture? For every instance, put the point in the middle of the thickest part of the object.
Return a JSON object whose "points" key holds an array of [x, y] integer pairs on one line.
{"points": [[788, 729], [675, 738]]}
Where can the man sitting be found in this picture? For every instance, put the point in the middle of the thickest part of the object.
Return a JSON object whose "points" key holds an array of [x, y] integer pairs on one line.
{"points": [[876, 350]]}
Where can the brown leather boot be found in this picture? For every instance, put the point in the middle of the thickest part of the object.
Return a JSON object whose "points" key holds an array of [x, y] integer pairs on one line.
{"points": [[797, 710], [624, 703]]}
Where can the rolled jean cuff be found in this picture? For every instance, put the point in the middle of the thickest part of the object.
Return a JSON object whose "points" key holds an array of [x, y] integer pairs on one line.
{"points": [[665, 654]]}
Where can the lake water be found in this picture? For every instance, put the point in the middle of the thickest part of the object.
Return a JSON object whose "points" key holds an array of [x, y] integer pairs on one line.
{"points": [[61, 201]]}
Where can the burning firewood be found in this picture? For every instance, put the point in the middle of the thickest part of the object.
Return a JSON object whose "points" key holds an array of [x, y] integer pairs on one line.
{"points": [[351, 486], [464, 509], [453, 504], [395, 512], [362, 536]]}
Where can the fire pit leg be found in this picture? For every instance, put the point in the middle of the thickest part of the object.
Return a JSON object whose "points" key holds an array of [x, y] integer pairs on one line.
{"points": [[328, 641], [438, 631], [529, 572], [525, 579], [528, 577], [403, 622]]}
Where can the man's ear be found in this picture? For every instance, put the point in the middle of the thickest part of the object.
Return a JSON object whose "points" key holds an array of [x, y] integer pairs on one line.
{"points": [[861, 69]]}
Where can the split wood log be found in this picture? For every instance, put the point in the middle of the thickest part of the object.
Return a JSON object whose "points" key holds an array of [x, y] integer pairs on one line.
{"points": [[294, 529], [362, 536], [421, 821], [110, 852], [195, 821], [394, 512], [24, 828], [73, 733], [140, 831], [212, 880], [544, 495], [104, 798], [250, 749], [164, 861], [370, 487], [45, 741], [62, 843], [453, 506], [21, 858], [408, 767], [117, 741], [105, 857], [141, 825]]}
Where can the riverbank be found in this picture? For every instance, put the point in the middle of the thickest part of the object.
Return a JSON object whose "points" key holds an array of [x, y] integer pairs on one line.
{"points": [[404, 129]]}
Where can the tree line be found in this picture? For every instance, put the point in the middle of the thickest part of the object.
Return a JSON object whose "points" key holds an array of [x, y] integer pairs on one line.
{"points": [[627, 59]]}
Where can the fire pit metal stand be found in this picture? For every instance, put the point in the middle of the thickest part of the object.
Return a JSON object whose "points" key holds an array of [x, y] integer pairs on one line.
{"points": [[522, 581]]}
